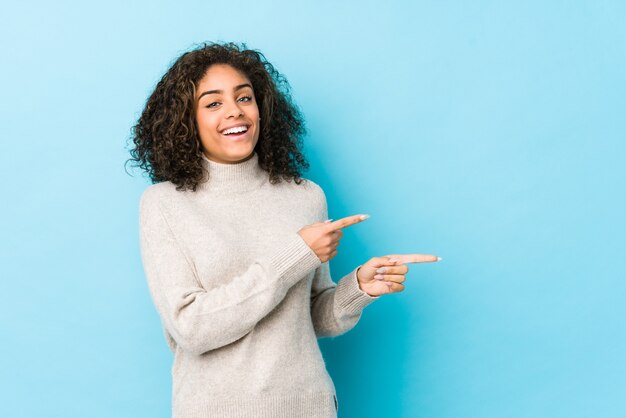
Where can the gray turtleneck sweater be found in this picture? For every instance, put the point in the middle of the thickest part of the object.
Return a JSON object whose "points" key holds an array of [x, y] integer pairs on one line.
{"points": [[241, 297]]}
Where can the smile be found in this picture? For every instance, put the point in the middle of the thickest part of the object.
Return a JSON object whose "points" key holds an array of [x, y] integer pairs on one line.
{"points": [[235, 130]]}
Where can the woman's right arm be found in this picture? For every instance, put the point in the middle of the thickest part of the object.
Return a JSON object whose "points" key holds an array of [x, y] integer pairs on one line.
{"points": [[199, 319]]}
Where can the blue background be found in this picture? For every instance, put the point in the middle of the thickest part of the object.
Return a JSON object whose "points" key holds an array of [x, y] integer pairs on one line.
{"points": [[489, 133]]}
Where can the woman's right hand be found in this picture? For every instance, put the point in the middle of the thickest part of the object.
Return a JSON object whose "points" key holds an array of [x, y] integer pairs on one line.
{"points": [[323, 237]]}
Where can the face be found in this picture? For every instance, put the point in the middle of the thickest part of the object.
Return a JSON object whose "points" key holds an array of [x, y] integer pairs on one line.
{"points": [[227, 115]]}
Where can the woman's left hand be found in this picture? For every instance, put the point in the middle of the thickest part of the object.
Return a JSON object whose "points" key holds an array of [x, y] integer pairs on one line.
{"points": [[383, 275]]}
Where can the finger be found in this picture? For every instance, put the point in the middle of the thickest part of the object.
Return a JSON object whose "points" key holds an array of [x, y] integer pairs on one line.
{"points": [[401, 269], [414, 258], [347, 221], [377, 262], [394, 287], [395, 278], [397, 287]]}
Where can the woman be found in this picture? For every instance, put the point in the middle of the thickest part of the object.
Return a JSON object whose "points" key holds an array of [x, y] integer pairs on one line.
{"points": [[235, 243]]}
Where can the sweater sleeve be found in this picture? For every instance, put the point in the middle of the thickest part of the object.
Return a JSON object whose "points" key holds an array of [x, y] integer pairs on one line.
{"points": [[335, 308], [199, 319]]}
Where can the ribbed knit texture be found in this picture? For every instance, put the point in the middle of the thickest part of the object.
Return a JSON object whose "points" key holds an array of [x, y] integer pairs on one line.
{"points": [[242, 298]]}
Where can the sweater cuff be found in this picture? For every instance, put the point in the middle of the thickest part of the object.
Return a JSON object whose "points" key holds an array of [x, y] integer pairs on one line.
{"points": [[294, 260], [349, 295]]}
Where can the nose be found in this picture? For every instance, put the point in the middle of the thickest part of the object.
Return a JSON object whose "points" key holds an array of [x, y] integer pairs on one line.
{"points": [[234, 110]]}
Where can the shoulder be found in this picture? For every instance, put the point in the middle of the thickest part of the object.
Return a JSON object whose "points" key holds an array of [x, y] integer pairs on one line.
{"points": [[162, 197], [305, 196], [313, 190], [315, 199], [312, 187], [157, 193]]}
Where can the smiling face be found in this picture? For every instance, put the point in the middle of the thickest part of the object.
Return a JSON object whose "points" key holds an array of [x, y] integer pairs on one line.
{"points": [[227, 115]]}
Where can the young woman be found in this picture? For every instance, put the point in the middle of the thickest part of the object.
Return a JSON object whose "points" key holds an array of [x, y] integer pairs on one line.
{"points": [[235, 243]]}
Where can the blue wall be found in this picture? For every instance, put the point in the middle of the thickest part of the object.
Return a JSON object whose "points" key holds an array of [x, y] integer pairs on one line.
{"points": [[490, 134]]}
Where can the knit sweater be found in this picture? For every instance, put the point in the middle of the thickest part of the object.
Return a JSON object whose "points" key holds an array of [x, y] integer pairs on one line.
{"points": [[241, 297]]}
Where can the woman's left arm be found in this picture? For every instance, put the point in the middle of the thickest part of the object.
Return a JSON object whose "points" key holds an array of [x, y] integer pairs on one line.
{"points": [[336, 308]]}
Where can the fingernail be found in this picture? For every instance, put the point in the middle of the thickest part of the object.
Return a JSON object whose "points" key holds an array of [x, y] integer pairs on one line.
{"points": [[381, 270], [439, 258], [364, 217], [379, 277], [328, 221]]}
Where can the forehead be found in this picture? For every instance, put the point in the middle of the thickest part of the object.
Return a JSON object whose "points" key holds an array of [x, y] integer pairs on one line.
{"points": [[221, 77]]}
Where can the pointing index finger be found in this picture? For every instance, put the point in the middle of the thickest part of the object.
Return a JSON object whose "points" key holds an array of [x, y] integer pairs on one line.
{"points": [[347, 221], [414, 258]]}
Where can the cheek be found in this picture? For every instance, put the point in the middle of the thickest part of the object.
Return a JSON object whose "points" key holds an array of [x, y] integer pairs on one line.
{"points": [[206, 122]]}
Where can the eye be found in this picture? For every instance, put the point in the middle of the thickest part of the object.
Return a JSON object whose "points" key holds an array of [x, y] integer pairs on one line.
{"points": [[245, 98], [213, 104]]}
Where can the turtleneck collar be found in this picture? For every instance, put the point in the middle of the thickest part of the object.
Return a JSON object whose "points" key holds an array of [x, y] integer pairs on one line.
{"points": [[239, 177]]}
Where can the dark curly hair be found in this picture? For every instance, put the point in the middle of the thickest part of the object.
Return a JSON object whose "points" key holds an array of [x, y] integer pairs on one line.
{"points": [[166, 141]]}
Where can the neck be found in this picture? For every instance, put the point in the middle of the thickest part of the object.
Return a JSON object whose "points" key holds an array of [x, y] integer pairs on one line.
{"points": [[243, 176]]}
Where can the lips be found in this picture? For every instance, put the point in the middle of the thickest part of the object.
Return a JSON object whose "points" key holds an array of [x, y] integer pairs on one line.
{"points": [[237, 133], [235, 130]]}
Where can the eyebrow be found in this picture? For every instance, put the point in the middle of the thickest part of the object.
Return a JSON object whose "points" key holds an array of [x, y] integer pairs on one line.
{"points": [[239, 87]]}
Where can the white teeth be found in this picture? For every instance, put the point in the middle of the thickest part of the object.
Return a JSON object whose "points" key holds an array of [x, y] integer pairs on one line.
{"points": [[235, 130]]}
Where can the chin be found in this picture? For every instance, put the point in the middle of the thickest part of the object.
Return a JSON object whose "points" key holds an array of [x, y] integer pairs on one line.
{"points": [[240, 156]]}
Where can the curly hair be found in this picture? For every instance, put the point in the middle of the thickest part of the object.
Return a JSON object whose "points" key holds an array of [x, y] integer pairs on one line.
{"points": [[166, 141]]}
